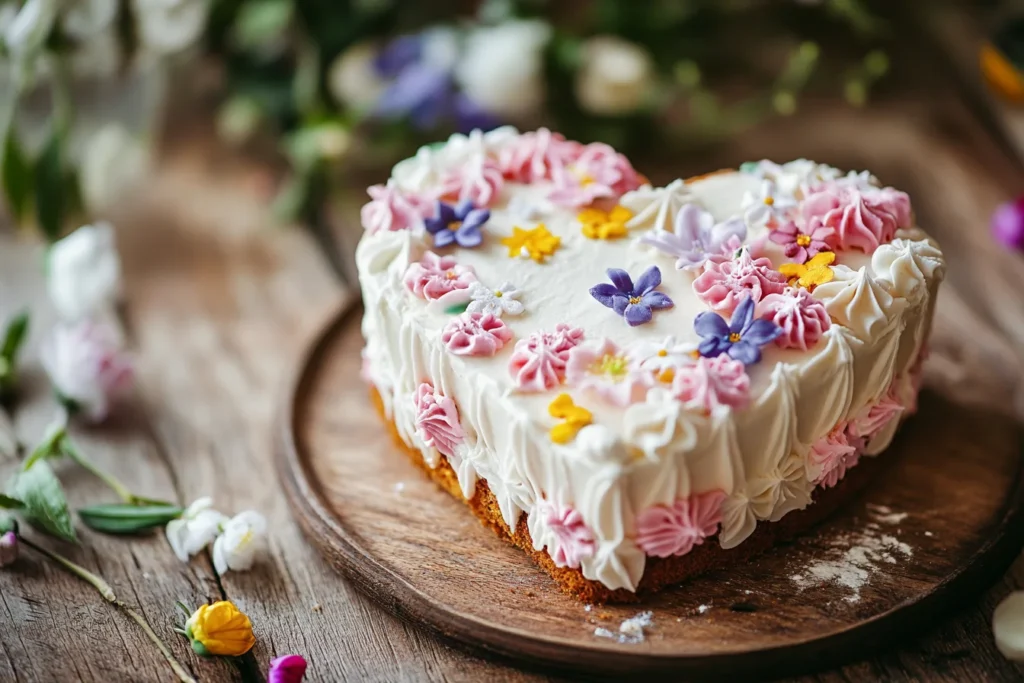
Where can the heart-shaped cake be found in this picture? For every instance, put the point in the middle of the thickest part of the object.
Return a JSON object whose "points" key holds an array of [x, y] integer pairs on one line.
{"points": [[635, 383]]}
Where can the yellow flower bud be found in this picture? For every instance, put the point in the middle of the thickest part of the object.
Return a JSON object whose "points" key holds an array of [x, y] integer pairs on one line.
{"points": [[220, 629]]}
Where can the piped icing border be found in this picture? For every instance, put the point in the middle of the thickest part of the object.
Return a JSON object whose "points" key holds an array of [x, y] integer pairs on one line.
{"points": [[755, 333]]}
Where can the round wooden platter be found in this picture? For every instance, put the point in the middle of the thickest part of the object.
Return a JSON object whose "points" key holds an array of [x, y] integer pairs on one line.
{"points": [[940, 522]]}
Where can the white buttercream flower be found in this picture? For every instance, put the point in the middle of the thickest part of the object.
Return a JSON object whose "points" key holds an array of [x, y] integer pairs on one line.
{"points": [[655, 208], [1008, 626], [167, 26], [665, 357], [659, 427], [767, 205], [113, 162], [86, 366], [617, 76], [86, 18], [502, 68], [241, 538], [353, 78], [503, 299], [84, 273], [30, 27], [197, 527], [528, 209]]}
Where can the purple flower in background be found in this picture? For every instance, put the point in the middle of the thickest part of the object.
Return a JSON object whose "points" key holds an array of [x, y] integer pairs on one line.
{"points": [[8, 549], [742, 337], [696, 237], [287, 669], [1008, 224], [634, 303], [420, 68], [459, 224]]}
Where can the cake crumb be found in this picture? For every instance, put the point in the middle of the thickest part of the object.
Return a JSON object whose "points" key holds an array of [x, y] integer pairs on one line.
{"points": [[703, 609], [884, 514], [631, 631], [318, 608], [399, 487], [928, 534], [861, 554], [587, 608]]}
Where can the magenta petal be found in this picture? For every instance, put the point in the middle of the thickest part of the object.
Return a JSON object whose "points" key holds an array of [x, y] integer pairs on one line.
{"points": [[638, 314], [780, 237], [287, 669]]}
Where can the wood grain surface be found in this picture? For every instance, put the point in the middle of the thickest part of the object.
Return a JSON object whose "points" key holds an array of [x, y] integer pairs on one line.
{"points": [[220, 304]]}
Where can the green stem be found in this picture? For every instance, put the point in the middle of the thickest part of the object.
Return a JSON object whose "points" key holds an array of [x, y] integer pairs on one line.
{"points": [[112, 482], [108, 594], [63, 109]]}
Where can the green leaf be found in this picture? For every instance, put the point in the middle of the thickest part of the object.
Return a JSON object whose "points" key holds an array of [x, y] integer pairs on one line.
{"points": [[14, 337], [262, 22], [9, 503], [122, 518], [16, 175], [51, 447], [456, 309], [50, 188], [45, 504]]}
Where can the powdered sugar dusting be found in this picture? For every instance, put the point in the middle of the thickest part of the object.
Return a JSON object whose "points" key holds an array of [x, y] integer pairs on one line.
{"points": [[885, 515], [631, 631]]}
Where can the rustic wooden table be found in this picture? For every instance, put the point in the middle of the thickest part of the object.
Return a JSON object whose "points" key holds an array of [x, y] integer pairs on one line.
{"points": [[220, 303]]}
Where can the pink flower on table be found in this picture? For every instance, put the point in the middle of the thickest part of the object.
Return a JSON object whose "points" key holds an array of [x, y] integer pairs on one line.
{"points": [[613, 373], [873, 418], [863, 218], [537, 156], [436, 276], [669, 530], [801, 244], [598, 172], [287, 669], [437, 420], [87, 366], [538, 362], [724, 284], [712, 382], [571, 539], [803, 318], [475, 334], [392, 210], [479, 181], [832, 455]]}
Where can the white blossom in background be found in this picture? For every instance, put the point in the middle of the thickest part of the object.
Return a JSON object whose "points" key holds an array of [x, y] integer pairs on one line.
{"points": [[197, 527], [84, 273], [25, 32], [616, 76], [167, 26], [503, 299], [86, 365], [502, 68], [99, 57], [83, 19], [113, 162], [241, 538], [353, 79]]}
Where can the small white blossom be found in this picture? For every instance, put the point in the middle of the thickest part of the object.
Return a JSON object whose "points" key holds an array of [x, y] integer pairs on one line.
{"points": [[666, 355], [504, 299], [502, 68], [28, 30], [195, 529], [113, 163], [242, 537], [84, 273], [86, 18], [353, 79], [87, 366], [767, 206], [617, 76], [168, 26]]}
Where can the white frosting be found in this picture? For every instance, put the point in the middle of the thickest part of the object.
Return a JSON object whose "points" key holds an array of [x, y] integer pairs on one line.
{"points": [[655, 451]]}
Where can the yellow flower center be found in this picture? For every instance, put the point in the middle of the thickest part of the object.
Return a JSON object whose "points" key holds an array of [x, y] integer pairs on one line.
{"points": [[803, 240], [613, 366], [667, 375], [662, 352], [454, 225], [634, 299], [769, 201], [450, 274], [734, 337], [498, 293]]}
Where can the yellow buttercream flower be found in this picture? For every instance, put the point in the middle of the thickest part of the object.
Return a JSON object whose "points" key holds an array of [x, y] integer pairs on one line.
{"points": [[574, 418], [220, 629], [811, 274], [537, 244], [604, 225]]}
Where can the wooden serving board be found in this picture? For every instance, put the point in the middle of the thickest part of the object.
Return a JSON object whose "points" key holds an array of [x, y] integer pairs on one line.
{"points": [[941, 521]]}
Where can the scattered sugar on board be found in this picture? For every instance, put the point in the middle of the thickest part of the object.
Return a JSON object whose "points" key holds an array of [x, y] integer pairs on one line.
{"points": [[703, 608], [855, 558], [631, 631], [884, 514], [399, 487]]}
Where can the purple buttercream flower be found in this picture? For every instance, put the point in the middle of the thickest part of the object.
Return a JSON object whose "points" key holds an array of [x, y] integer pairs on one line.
{"points": [[696, 237], [460, 224], [1008, 224], [287, 669], [634, 303], [742, 337]]}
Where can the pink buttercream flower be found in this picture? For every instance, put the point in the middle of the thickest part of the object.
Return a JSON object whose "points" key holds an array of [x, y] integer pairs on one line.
{"points": [[437, 420], [667, 530], [724, 284], [803, 318], [800, 244], [572, 540], [712, 382], [475, 334], [87, 366], [873, 418], [598, 172], [436, 276], [863, 218], [537, 156], [832, 455], [479, 181], [287, 669], [538, 362], [614, 373], [393, 210]]}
